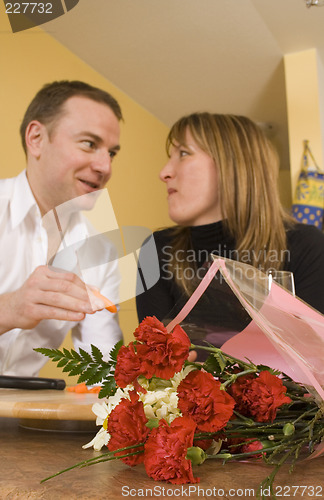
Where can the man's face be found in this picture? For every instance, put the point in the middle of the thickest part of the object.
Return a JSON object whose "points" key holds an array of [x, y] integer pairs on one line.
{"points": [[75, 157]]}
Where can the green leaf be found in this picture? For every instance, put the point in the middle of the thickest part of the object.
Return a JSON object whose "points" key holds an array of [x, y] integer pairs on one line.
{"points": [[90, 368], [114, 351], [214, 364], [221, 360], [70, 366], [97, 377], [96, 353], [77, 370], [83, 378], [91, 371], [108, 388], [62, 362], [263, 368], [56, 358], [50, 353], [85, 355], [76, 355], [67, 353]]}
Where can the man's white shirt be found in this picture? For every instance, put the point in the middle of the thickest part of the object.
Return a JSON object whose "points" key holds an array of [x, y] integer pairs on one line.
{"points": [[23, 247]]}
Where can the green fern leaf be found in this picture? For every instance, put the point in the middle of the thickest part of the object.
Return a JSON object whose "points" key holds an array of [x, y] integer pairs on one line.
{"points": [[76, 355], [85, 355], [96, 353], [77, 370], [70, 366], [62, 362], [67, 353], [50, 353], [82, 378], [114, 351], [108, 388], [99, 376], [91, 371]]}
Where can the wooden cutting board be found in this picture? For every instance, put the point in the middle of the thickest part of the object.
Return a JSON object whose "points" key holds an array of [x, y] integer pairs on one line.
{"points": [[47, 405]]}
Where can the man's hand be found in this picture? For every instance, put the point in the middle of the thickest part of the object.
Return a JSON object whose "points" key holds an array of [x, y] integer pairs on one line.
{"points": [[46, 294]]}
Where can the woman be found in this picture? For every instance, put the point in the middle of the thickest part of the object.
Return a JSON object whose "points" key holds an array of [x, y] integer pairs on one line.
{"points": [[221, 180]]}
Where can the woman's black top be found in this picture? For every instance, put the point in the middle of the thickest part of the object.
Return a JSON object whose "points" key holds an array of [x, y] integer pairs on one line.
{"points": [[304, 257]]}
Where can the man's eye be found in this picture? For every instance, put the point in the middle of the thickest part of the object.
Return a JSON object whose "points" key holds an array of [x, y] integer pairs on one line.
{"points": [[112, 154], [89, 144]]}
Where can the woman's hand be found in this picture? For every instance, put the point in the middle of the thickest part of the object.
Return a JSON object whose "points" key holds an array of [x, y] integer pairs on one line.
{"points": [[192, 356]]}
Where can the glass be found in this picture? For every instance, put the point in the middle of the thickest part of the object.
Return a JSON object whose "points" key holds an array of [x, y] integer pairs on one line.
{"points": [[317, 3], [283, 278]]}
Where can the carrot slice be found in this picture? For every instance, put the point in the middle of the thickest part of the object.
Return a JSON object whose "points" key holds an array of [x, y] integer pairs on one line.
{"points": [[82, 388], [110, 306]]}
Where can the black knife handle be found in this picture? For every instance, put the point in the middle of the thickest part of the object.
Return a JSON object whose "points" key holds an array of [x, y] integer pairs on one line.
{"points": [[10, 382]]}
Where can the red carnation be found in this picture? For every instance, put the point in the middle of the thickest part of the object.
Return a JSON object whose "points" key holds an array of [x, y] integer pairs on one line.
{"points": [[252, 446], [166, 449], [126, 426], [150, 331], [166, 353], [259, 397], [240, 445], [155, 353], [239, 387], [201, 398], [128, 366]]}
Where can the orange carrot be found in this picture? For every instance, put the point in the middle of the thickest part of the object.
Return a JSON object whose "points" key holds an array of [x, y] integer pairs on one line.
{"points": [[110, 306], [82, 388]]}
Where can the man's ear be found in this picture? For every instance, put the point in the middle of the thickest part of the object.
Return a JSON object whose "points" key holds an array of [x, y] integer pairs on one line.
{"points": [[35, 135]]}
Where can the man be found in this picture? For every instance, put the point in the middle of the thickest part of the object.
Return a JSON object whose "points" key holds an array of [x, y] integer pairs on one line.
{"points": [[70, 134]]}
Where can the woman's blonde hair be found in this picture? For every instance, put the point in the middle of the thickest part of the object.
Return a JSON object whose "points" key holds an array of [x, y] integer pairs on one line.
{"points": [[248, 167]]}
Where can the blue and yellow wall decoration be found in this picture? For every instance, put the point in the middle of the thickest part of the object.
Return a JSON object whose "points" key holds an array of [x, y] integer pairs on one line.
{"points": [[308, 202]]}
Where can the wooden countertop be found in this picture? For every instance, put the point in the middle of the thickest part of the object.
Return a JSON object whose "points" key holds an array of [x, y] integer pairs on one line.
{"points": [[46, 404], [27, 456]]}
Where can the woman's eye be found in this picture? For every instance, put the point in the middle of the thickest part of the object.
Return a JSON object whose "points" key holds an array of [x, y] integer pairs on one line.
{"points": [[183, 152]]}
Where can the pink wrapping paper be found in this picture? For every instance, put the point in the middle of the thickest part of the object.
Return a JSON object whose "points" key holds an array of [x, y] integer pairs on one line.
{"points": [[285, 333]]}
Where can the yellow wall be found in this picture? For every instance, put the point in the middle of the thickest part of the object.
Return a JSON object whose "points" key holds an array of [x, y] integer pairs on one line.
{"points": [[31, 58], [305, 93], [284, 186]]}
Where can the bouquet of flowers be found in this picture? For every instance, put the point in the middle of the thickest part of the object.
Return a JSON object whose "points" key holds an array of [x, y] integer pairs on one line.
{"points": [[172, 414]]}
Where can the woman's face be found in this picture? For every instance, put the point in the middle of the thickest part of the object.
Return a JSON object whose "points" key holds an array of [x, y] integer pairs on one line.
{"points": [[192, 184]]}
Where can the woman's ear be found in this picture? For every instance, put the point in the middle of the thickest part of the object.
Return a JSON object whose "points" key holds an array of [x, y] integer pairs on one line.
{"points": [[35, 134]]}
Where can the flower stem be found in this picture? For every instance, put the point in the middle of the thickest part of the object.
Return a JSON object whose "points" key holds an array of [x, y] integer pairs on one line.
{"points": [[101, 458], [231, 359], [233, 377]]}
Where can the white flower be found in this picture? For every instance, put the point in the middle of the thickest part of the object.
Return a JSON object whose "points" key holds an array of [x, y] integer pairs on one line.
{"points": [[161, 400], [102, 411], [101, 439], [178, 377]]}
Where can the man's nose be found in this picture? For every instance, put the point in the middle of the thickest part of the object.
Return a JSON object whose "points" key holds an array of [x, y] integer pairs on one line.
{"points": [[102, 163]]}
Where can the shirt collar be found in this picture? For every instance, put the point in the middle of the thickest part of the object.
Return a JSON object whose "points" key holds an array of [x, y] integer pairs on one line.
{"points": [[22, 200]]}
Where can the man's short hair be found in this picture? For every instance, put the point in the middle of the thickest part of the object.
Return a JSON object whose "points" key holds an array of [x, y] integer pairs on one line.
{"points": [[47, 104]]}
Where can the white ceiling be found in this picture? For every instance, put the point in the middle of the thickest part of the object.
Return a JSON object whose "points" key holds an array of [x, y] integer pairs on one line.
{"points": [[178, 56]]}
